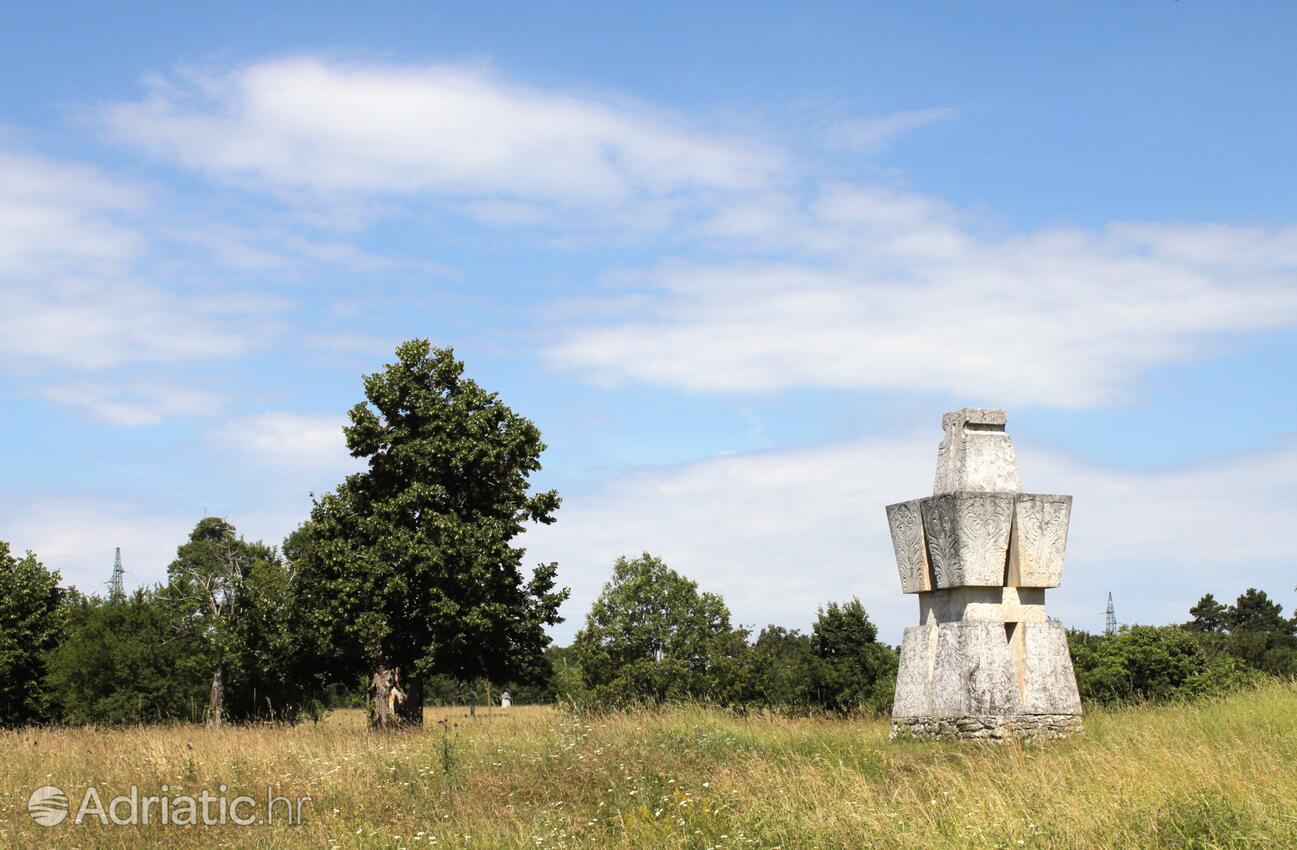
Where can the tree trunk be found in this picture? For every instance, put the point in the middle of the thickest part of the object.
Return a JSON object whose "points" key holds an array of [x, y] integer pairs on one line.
{"points": [[216, 700], [387, 697]]}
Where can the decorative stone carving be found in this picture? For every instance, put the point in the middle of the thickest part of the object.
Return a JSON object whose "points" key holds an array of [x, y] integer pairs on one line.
{"points": [[968, 537], [985, 662], [1038, 540], [906, 523]]}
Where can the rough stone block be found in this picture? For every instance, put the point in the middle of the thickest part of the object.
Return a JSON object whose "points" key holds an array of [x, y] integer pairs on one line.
{"points": [[968, 537], [984, 604], [913, 696], [956, 669], [1038, 540], [1050, 682], [976, 455], [992, 728], [906, 523]]}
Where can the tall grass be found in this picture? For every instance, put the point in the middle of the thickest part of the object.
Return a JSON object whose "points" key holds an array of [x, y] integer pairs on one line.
{"points": [[1217, 774]]}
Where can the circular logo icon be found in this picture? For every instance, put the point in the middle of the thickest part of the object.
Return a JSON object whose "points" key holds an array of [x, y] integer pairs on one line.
{"points": [[48, 805]]}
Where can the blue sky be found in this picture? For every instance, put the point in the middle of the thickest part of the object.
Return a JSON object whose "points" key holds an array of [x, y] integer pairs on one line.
{"points": [[735, 262]]}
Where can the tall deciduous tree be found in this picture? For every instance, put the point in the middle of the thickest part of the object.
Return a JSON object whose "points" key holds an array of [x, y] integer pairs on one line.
{"points": [[782, 664], [214, 584], [1259, 635], [30, 626], [409, 569], [853, 670], [651, 636]]}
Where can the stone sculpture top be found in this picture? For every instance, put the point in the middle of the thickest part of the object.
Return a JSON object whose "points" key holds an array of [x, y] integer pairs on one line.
{"points": [[979, 529], [976, 455]]}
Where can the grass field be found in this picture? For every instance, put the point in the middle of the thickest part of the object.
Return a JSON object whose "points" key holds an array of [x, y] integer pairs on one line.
{"points": [[1217, 774]]}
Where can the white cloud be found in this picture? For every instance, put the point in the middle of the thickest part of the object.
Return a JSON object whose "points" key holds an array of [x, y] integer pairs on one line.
{"points": [[134, 403], [331, 128], [100, 323], [872, 135], [276, 249], [54, 217], [778, 533], [71, 295], [310, 442], [876, 288]]}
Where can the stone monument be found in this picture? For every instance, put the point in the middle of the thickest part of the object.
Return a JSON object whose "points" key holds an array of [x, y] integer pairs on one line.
{"points": [[984, 661]]}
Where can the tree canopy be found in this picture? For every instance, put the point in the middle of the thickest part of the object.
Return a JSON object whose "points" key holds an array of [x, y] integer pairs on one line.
{"points": [[651, 636], [410, 565], [30, 626]]}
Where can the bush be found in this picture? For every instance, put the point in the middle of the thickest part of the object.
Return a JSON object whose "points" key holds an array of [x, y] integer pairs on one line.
{"points": [[1154, 663]]}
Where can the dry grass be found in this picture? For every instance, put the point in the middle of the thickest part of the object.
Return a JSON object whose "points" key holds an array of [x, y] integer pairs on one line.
{"points": [[1214, 775]]}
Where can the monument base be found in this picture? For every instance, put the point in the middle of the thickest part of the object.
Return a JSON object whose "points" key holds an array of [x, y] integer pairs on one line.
{"points": [[986, 727], [985, 680]]}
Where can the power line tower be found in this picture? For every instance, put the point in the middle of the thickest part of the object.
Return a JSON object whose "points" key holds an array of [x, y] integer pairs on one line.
{"points": [[1110, 626], [116, 589]]}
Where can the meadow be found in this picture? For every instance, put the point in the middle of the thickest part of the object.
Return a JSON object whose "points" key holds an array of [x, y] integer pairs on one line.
{"points": [[1214, 774]]}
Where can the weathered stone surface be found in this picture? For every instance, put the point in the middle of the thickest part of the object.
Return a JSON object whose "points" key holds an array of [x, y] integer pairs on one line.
{"points": [[968, 537], [985, 604], [913, 695], [976, 455], [993, 728], [906, 523], [1038, 540], [1049, 680], [955, 669]]}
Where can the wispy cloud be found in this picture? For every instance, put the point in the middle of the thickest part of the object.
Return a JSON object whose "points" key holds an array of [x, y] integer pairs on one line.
{"points": [[308, 442], [135, 402], [873, 135], [869, 288], [305, 124], [72, 295]]}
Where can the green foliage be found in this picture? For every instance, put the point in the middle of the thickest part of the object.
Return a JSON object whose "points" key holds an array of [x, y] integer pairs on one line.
{"points": [[30, 626], [782, 667], [409, 564], [234, 601], [566, 681], [1157, 663], [1259, 636], [1253, 630], [1209, 616], [853, 670], [124, 662], [652, 637]]}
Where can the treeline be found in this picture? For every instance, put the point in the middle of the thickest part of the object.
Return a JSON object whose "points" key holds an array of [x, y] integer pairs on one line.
{"points": [[227, 637], [403, 587], [1220, 648], [180, 651]]}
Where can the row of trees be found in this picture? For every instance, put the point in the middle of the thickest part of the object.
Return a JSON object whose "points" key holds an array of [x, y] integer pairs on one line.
{"points": [[405, 579], [652, 637], [230, 636], [1222, 647]]}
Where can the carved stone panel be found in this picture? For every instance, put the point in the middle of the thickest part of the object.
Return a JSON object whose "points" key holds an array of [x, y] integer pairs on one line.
{"points": [[968, 537], [906, 523], [1039, 539]]}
